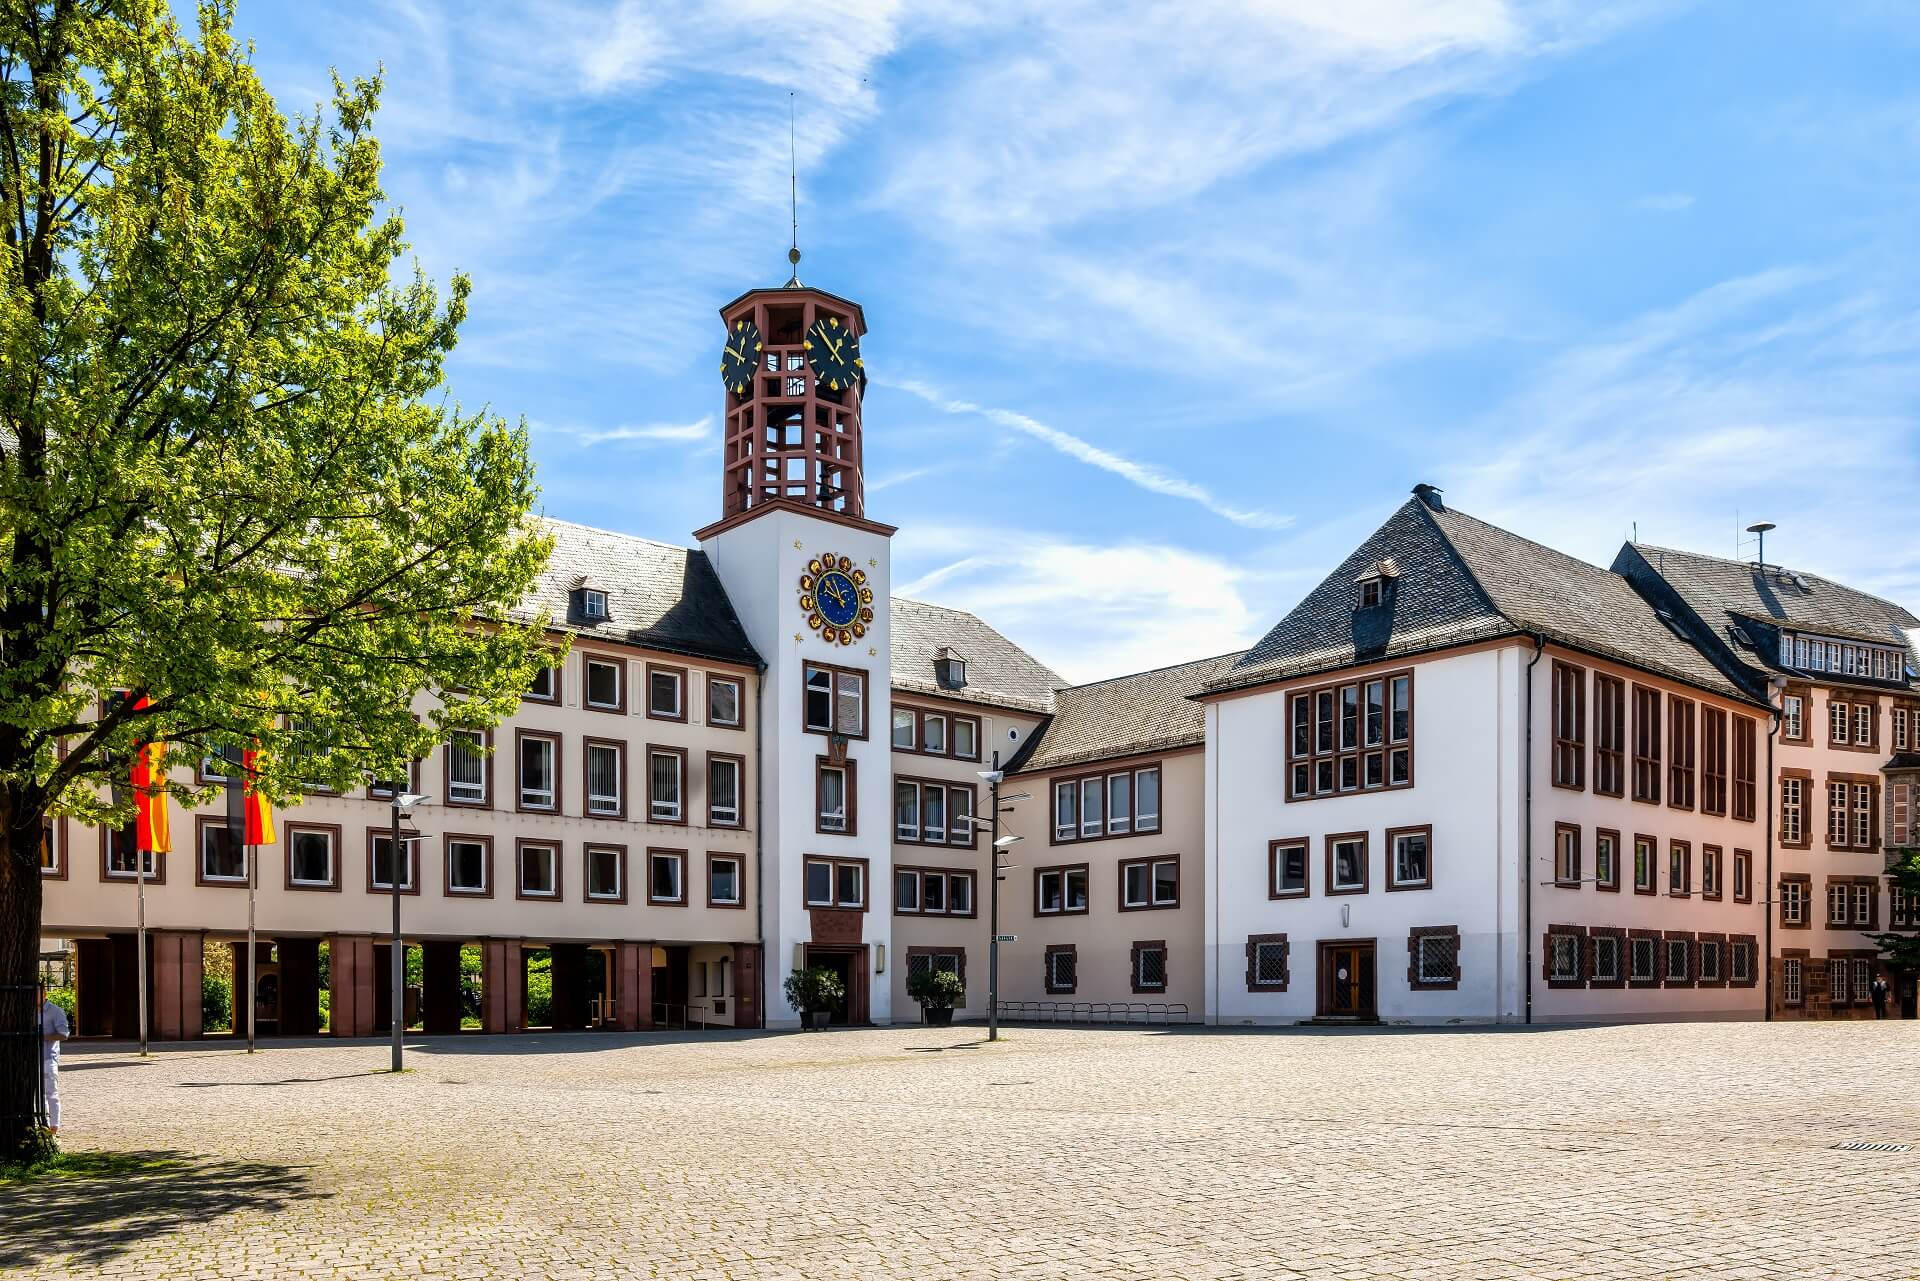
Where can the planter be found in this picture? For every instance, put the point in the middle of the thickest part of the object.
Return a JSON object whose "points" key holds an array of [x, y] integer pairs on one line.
{"points": [[937, 1018], [817, 1019]]}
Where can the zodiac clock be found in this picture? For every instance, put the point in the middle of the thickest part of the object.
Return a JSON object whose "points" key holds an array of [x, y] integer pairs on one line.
{"points": [[836, 599]]}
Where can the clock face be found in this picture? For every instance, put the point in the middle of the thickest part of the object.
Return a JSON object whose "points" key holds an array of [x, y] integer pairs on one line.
{"points": [[741, 359], [834, 354], [836, 599]]}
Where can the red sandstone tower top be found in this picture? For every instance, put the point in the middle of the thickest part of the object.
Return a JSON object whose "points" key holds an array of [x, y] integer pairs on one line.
{"points": [[794, 379]]}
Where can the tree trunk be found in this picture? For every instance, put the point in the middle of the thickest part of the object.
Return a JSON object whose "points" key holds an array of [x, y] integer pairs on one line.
{"points": [[19, 969]]}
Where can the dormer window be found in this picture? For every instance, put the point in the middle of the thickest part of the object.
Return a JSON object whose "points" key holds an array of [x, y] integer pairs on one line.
{"points": [[1369, 593], [1373, 586], [593, 604], [950, 670], [587, 602]]}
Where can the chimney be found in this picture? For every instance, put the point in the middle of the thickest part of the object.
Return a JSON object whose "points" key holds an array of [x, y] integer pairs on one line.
{"points": [[1430, 496]]}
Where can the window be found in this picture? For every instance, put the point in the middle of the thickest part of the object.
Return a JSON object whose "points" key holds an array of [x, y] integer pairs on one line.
{"points": [[1350, 737], [836, 701], [1347, 863], [666, 876], [539, 870], [1713, 763], [1566, 854], [50, 852], [539, 771], [1743, 876], [1740, 961], [1606, 859], [1369, 592], [1864, 724], [469, 860], [1863, 816], [1710, 871], [1862, 980], [723, 790], [1288, 878], [1433, 958], [665, 686], [120, 853], [966, 738], [1679, 961], [666, 777], [1792, 811], [1149, 967], [380, 862], [1850, 815], [1060, 891], [1793, 903], [1117, 803], [1837, 968], [905, 736], [933, 734], [723, 703], [604, 692], [221, 858], [1410, 851], [1680, 869], [1903, 909], [1609, 734], [1837, 816], [1569, 726], [1641, 957], [930, 813], [960, 830], [833, 787], [1063, 970], [466, 768], [1680, 764], [1850, 904], [927, 960], [1148, 883], [1709, 960], [836, 883], [1792, 981], [1267, 963], [606, 867], [1643, 855], [1563, 959], [724, 881], [1901, 800], [593, 604], [1793, 723], [927, 891], [545, 687], [310, 857], [1900, 719], [1646, 745], [1606, 959], [606, 772]]}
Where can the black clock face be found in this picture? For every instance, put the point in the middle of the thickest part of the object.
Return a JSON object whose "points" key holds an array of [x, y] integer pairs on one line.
{"points": [[741, 359], [834, 353]]}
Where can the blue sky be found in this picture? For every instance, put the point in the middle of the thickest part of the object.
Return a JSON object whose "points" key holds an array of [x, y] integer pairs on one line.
{"points": [[1170, 306]]}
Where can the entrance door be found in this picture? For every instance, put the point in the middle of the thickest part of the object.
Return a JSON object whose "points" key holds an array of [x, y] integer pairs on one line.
{"points": [[1346, 980], [849, 964]]}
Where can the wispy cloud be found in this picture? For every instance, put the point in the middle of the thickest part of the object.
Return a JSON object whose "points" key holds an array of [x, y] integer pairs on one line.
{"points": [[1665, 202], [1144, 475], [643, 433]]}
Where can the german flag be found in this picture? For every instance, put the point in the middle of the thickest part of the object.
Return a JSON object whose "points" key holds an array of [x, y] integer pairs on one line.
{"points": [[259, 809], [149, 779]]}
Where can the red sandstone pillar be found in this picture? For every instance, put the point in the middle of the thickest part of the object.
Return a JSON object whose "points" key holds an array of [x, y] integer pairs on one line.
{"points": [[178, 960], [746, 985], [503, 986], [351, 984]]}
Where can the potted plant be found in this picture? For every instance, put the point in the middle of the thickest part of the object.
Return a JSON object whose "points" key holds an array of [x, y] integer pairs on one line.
{"points": [[813, 993], [938, 991]]}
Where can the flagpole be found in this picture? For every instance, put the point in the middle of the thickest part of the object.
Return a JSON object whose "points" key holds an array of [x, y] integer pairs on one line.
{"points": [[253, 960], [140, 877]]}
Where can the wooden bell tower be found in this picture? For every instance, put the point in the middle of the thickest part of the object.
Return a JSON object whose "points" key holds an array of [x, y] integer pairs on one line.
{"points": [[790, 435]]}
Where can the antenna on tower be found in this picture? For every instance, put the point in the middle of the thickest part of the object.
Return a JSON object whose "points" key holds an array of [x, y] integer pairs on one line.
{"points": [[793, 194]]}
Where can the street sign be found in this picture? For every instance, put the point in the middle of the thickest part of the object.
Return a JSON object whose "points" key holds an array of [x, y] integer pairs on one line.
{"points": [[1006, 938]]}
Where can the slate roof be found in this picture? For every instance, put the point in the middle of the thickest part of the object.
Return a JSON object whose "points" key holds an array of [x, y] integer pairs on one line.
{"points": [[658, 595], [999, 672], [1721, 590], [1461, 580], [1145, 712]]}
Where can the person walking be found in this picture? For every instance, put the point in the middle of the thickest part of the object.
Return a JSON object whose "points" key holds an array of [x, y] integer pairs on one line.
{"points": [[1879, 990], [54, 1029]]}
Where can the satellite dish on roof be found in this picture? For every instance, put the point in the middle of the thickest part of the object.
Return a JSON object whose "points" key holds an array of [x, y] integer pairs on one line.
{"points": [[1761, 527]]}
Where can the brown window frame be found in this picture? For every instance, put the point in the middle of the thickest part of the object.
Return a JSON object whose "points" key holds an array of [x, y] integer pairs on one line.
{"points": [[685, 818], [1802, 811], [586, 872], [1803, 694], [1305, 845], [1683, 746], [126, 831], [850, 769], [1071, 951], [1333, 889], [739, 721], [488, 773], [947, 875], [1713, 885], [1742, 871], [587, 660], [53, 841], [1578, 933], [1609, 735], [739, 764], [834, 901], [1653, 939], [950, 827], [1152, 864], [333, 831], [586, 779], [1646, 744], [1651, 884], [1685, 888], [1254, 943], [739, 879], [1691, 942], [1566, 872], [1746, 769], [1591, 961], [1078, 781], [1804, 881], [1392, 856], [1140, 950], [1063, 869], [520, 738], [1569, 702], [1609, 884], [485, 841], [1415, 936], [683, 858], [833, 699], [556, 679], [410, 847], [1715, 749], [681, 683], [1337, 755], [920, 713], [520, 846], [1749, 945], [202, 824]]}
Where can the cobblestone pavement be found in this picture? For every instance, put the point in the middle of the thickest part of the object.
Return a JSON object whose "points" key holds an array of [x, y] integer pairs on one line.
{"points": [[1698, 1151]]}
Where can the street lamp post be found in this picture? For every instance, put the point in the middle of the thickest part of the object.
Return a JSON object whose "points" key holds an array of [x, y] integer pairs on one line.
{"points": [[993, 778], [403, 801]]}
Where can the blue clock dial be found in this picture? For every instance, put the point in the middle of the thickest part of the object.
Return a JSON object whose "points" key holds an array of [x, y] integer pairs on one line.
{"points": [[837, 598]]}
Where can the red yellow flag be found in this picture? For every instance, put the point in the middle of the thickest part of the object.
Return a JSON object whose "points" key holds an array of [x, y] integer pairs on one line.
{"points": [[149, 779], [259, 809]]}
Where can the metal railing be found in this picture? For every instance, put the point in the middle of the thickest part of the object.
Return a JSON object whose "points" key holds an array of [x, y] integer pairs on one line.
{"points": [[1142, 1013]]}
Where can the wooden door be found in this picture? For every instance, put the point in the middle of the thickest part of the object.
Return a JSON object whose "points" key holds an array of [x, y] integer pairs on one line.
{"points": [[1347, 980]]}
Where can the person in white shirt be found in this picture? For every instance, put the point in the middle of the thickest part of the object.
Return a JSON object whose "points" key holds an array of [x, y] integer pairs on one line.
{"points": [[54, 1029]]}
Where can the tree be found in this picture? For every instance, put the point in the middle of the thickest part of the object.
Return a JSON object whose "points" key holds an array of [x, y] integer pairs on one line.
{"points": [[1901, 952], [225, 478]]}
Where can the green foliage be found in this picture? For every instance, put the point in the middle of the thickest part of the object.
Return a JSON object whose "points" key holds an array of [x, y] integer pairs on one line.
{"points": [[37, 1154], [1901, 952], [228, 473], [326, 1008], [937, 989], [540, 989], [216, 1003], [65, 999], [816, 989]]}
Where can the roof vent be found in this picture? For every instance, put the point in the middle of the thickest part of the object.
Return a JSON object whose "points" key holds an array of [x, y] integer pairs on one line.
{"points": [[1740, 636], [1672, 623], [1430, 496], [949, 669]]}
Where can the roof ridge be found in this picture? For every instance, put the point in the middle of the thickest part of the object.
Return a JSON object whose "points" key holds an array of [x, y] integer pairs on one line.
{"points": [[1149, 671], [1830, 581]]}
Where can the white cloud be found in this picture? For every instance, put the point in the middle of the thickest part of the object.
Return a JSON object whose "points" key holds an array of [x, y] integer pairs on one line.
{"points": [[642, 433], [1087, 611], [1144, 475], [1665, 202]]}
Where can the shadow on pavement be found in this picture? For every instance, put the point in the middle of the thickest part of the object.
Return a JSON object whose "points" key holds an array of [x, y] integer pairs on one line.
{"points": [[96, 1205]]}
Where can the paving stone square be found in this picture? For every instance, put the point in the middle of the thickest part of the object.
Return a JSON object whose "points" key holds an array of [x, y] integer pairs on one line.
{"points": [[1680, 1150]]}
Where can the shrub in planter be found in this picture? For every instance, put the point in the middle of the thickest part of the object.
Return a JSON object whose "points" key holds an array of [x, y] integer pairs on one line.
{"points": [[812, 993], [938, 992], [216, 1003]]}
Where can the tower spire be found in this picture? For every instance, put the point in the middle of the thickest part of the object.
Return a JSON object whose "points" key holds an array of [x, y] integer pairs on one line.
{"points": [[793, 195]]}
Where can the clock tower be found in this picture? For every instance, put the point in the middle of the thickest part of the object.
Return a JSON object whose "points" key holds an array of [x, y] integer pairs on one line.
{"points": [[809, 576]]}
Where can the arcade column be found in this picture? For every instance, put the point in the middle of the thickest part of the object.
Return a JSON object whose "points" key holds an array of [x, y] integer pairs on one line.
{"points": [[352, 981]]}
